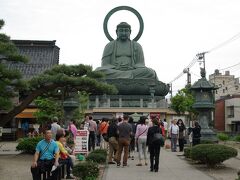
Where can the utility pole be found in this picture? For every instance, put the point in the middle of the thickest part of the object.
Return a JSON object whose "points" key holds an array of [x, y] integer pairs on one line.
{"points": [[171, 90], [201, 59], [188, 76]]}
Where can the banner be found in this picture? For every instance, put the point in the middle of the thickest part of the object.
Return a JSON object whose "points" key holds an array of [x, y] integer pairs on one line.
{"points": [[81, 143], [154, 114]]}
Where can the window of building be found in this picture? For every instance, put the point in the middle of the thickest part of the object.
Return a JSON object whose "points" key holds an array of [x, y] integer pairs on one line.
{"points": [[223, 90], [223, 82], [230, 111], [226, 88], [216, 92]]}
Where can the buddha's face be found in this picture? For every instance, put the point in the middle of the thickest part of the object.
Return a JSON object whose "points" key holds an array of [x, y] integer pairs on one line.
{"points": [[123, 33]]}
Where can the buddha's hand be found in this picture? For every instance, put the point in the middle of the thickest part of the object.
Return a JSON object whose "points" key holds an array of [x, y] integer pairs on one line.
{"points": [[124, 68]]}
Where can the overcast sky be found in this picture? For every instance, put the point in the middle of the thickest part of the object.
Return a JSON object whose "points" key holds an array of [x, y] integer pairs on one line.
{"points": [[175, 31]]}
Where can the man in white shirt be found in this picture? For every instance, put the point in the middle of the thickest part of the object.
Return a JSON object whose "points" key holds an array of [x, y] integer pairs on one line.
{"points": [[173, 134]]}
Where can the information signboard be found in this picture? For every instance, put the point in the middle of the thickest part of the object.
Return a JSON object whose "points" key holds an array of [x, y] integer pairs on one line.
{"points": [[81, 143]]}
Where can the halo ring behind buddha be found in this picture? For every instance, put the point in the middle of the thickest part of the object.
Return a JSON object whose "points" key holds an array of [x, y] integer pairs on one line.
{"points": [[119, 8]]}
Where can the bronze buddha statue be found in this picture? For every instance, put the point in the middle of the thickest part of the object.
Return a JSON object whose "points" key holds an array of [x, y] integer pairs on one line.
{"points": [[123, 65]]}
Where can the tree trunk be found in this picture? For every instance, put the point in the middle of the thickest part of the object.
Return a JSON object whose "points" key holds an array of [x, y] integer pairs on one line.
{"points": [[5, 118]]}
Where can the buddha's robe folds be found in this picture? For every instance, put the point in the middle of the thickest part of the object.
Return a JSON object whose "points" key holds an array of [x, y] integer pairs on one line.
{"points": [[125, 61]]}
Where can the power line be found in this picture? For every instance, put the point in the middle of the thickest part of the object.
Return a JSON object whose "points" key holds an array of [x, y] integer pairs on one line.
{"points": [[235, 37], [229, 67], [200, 55], [195, 59]]}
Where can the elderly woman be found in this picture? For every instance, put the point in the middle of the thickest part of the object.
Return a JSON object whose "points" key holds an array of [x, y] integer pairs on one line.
{"points": [[64, 155]]}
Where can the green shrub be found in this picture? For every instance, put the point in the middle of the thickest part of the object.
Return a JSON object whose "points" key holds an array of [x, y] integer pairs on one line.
{"points": [[187, 152], [90, 178], [28, 145], [222, 136], [212, 154], [237, 138], [96, 157], [86, 170], [207, 142], [101, 151]]}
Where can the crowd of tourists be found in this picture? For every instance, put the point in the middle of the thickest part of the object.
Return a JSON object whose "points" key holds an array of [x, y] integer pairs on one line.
{"points": [[121, 136]]}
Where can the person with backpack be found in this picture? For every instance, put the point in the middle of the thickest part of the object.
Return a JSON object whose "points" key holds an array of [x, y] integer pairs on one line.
{"points": [[154, 142]]}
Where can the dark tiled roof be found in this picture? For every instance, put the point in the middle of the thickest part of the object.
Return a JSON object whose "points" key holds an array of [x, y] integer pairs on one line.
{"points": [[42, 55]]}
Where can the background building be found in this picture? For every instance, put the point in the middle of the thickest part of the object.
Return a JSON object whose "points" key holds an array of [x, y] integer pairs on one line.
{"points": [[42, 55], [228, 84], [227, 114]]}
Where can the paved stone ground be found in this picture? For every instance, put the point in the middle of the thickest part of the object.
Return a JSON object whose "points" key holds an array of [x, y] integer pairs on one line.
{"points": [[15, 166], [171, 168], [7, 148]]}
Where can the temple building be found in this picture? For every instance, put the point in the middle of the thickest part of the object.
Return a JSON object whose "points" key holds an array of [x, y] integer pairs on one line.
{"points": [[42, 55]]}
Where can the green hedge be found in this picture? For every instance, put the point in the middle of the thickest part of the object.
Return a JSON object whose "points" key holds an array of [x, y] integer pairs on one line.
{"points": [[101, 151], [207, 142], [96, 157], [28, 145], [212, 154], [187, 152], [237, 138], [86, 170], [222, 137]]}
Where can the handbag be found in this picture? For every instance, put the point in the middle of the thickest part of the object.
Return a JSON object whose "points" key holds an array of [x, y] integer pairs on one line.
{"points": [[158, 139], [105, 137], [63, 155]]}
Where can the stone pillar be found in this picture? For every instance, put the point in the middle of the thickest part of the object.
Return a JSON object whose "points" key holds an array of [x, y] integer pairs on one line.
{"points": [[120, 102], [152, 103], [108, 102], [88, 104], [97, 102], [141, 102]]}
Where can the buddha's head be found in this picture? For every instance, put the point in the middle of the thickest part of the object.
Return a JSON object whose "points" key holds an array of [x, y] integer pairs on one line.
{"points": [[123, 31]]}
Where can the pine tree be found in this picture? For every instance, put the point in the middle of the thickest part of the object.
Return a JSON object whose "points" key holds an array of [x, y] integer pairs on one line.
{"points": [[10, 80], [61, 78]]}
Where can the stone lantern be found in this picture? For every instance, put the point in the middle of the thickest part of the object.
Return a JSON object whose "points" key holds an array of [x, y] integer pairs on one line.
{"points": [[203, 92], [69, 105]]}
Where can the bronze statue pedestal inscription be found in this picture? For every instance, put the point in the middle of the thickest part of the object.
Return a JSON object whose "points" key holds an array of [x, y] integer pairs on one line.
{"points": [[123, 61]]}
